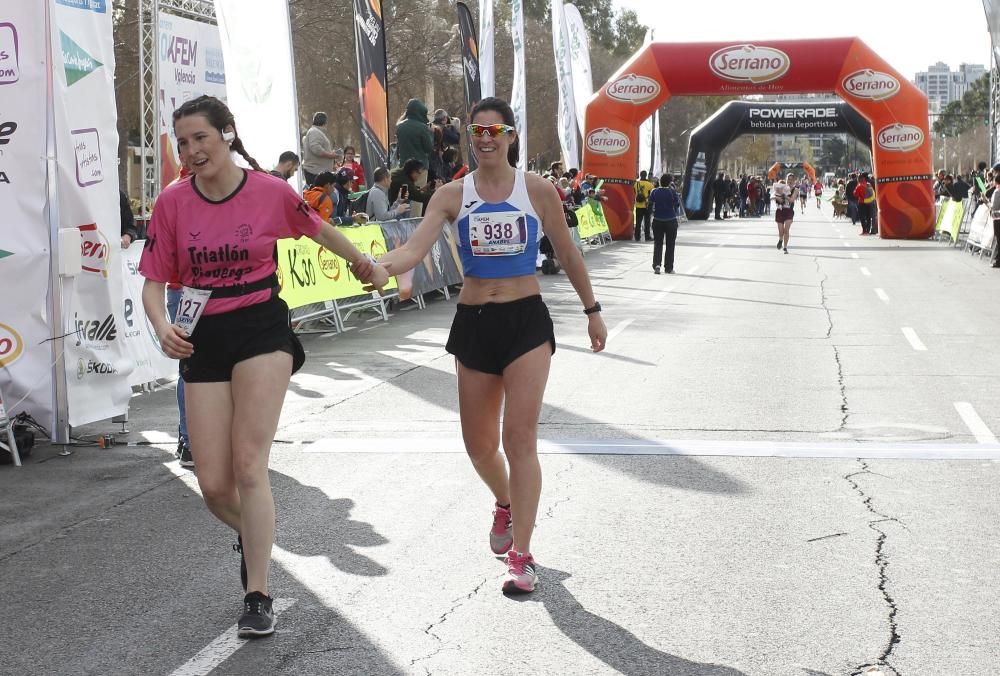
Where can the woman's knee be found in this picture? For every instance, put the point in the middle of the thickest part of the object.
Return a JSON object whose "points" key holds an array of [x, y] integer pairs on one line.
{"points": [[216, 491], [520, 443], [250, 469], [481, 448]]}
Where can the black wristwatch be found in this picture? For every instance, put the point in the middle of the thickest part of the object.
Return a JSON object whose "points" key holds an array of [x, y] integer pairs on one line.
{"points": [[596, 307]]}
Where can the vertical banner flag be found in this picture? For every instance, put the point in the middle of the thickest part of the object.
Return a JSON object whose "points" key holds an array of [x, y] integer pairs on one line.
{"points": [[579, 50], [373, 95], [518, 97], [190, 64], [25, 357], [646, 129], [487, 70], [657, 153], [96, 365], [260, 76], [568, 136], [470, 66]]}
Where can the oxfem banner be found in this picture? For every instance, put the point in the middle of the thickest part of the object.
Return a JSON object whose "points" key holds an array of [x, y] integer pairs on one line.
{"points": [[96, 366], [25, 356], [518, 97], [487, 70], [190, 64], [259, 76], [373, 97], [579, 54], [470, 67], [564, 79]]}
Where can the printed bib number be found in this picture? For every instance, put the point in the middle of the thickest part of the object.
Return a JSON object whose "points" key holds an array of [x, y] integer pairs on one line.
{"points": [[502, 233], [192, 304]]}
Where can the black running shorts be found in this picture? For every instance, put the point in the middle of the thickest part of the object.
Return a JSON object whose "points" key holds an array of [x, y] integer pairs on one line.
{"points": [[784, 214], [490, 337], [221, 341]]}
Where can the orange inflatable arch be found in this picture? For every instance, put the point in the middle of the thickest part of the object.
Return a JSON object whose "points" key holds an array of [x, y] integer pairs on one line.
{"points": [[896, 109]]}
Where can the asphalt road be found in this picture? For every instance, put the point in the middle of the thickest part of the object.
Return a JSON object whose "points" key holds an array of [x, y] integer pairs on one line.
{"points": [[782, 465]]}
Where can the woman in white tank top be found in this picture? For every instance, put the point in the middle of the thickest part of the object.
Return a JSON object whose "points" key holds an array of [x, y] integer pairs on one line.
{"points": [[502, 334]]}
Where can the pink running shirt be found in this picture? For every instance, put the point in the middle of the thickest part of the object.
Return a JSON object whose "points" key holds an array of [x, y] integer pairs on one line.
{"points": [[212, 244]]}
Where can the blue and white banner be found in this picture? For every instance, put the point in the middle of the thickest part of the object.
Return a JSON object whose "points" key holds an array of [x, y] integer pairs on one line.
{"points": [[579, 54], [83, 69]]}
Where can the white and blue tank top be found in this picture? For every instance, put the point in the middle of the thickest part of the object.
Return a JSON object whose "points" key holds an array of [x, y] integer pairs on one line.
{"points": [[498, 239]]}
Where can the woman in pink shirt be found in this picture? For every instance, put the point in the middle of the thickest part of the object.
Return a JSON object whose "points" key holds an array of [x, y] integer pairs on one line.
{"points": [[216, 232]]}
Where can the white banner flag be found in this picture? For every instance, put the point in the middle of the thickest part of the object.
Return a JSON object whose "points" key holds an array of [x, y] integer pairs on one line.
{"points": [[657, 153], [25, 356], [260, 77], [487, 69], [96, 366], [579, 50], [190, 64], [141, 344], [568, 138], [646, 129], [518, 97]]}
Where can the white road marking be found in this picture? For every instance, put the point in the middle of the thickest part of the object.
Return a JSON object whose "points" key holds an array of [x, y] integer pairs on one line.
{"points": [[222, 648], [854, 255], [708, 255], [619, 327], [882, 295], [692, 270], [975, 424], [847, 244], [694, 447], [865, 271], [915, 341], [660, 296]]}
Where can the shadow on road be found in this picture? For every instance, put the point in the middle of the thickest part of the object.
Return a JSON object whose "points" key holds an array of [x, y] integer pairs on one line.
{"points": [[614, 645]]}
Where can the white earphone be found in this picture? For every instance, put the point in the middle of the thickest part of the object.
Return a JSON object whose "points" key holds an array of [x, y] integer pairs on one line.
{"points": [[228, 136]]}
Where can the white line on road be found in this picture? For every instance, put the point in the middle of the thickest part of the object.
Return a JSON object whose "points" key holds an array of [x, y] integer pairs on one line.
{"points": [[660, 296], [847, 244], [222, 648], [692, 270], [865, 271], [854, 255], [693, 447], [975, 424], [621, 326], [915, 341], [882, 295], [709, 255]]}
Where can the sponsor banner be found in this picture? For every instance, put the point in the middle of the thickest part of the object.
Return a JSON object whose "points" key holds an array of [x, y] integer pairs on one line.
{"points": [[568, 134], [470, 68], [518, 97], [871, 84], [139, 340], [579, 50], [190, 64], [590, 220], [637, 93], [750, 63], [309, 273], [373, 98], [96, 366], [610, 142], [259, 77], [441, 267], [487, 70], [900, 138], [25, 357]]}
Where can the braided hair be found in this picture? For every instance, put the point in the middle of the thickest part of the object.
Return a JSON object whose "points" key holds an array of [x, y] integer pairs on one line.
{"points": [[219, 116]]}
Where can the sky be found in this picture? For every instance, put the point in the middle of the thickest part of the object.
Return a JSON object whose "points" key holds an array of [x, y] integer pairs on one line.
{"points": [[909, 34]]}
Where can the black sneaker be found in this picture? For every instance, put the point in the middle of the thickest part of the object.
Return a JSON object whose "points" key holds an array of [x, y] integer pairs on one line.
{"points": [[184, 455], [779, 243], [238, 547], [257, 618], [786, 249], [656, 269]]}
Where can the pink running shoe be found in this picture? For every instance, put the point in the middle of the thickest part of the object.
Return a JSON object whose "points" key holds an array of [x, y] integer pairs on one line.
{"points": [[501, 535], [521, 577]]}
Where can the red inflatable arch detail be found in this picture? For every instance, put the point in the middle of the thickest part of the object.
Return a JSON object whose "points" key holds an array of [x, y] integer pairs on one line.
{"points": [[896, 109]]}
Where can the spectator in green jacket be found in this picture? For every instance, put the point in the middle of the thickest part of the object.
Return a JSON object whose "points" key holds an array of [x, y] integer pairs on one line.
{"points": [[415, 142]]}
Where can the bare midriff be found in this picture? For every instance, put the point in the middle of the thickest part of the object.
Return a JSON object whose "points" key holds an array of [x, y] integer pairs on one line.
{"points": [[478, 291]]}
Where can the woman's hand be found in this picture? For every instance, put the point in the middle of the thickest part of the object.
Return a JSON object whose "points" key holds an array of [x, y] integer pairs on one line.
{"points": [[174, 342], [379, 278], [598, 332]]}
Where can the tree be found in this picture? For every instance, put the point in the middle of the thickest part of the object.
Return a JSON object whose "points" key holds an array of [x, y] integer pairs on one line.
{"points": [[971, 110], [834, 153]]}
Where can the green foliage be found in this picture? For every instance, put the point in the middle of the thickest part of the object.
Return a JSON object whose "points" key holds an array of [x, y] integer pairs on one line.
{"points": [[621, 33], [972, 110], [834, 154]]}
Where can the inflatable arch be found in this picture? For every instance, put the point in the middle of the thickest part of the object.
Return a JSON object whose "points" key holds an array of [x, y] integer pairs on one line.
{"points": [[738, 118], [895, 108]]}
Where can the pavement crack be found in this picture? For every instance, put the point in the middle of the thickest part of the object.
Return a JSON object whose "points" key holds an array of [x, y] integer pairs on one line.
{"points": [[826, 537], [844, 407], [429, 629], [882, 564]]}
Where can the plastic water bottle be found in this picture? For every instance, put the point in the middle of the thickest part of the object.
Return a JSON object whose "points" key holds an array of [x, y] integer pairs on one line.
{"points": [[697, 184]]}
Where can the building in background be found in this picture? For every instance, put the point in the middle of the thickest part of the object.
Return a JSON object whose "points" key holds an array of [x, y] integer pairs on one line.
{"points": [[942, 85]]}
